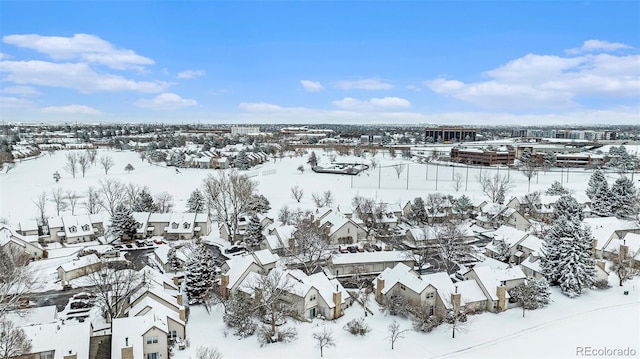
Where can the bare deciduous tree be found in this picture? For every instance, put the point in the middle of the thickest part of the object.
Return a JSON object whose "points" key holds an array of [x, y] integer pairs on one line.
{"points": [[57, 197], [324, 199], [622, 266], [84, 162], [208, 353], [41, 204], [313, 247], [14, 343], [72, 199], [369, 212], [451, 245], [113, 286], [495, 187], [112, 193], [229, 195], [296, 193], [16, 278], [71, 164], [107, 163], [529, 169], [324, 339], [164, 202], [92, 153], [93, 201], [399, 168], [374, 163], [395, 333], [458, 179], [301, 169], [270, 289]]}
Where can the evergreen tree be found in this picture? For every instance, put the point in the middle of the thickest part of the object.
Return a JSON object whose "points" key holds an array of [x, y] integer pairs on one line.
{"points": [[418, 211], [557, 189], [463, 205], [144, 202], [253, 234], [172, 259], [601, 201], [196, 202], [122, 222], [200, 275], [576, 266], [526, 155], [502, 251], [567, 206], [532, 294], [313, 159], [549, 160], [596, 182], [239, 314], [258, 204], [623, 198], [242, 161]]}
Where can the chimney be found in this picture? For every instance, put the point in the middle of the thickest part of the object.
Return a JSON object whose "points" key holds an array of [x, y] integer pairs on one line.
{"points": [[624, 251], [501, 292], [594, 246], [126, 353], [126, 341], [179, 298], [70, 356], [379, 288], [224, 282], [455, 300], [600, 264], [292, 245], [337, 300]]}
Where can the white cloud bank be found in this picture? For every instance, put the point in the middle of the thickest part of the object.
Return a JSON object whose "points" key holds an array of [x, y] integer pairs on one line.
{"points": [[166, 101], [598, 45], [72, 110], [190, 74], [312, 86], [542, 82]]}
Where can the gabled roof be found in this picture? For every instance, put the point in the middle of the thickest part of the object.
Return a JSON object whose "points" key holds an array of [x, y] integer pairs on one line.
{"points": [[61, 338], [404, 275], [470, 291], [134, 329], [80, 263], [442, 282], [32, 316], [265, 257], [509, 235]]}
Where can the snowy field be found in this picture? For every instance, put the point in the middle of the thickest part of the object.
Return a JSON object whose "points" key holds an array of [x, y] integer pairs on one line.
{"points": [[597, 319], [20, 186]]}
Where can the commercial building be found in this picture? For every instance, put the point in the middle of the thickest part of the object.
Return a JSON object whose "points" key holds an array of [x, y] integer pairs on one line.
{"points": [[450, 134]]}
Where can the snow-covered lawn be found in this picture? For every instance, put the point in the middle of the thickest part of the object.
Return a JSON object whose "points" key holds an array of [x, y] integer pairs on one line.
{"points": [[598, 319]]}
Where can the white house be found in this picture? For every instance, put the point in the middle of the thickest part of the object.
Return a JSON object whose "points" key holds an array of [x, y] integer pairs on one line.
{"points": [[78, 267], [12, 243], [59, 340]]}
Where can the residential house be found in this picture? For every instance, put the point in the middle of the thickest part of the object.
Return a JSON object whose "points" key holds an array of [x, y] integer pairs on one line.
{"points": [[145, 337], [520, 244], [418, 237], [495, 284], [279, 239], [74, 229], [627, 246], [237, 269], [28, 228], [494, 215], [12, 242], [544, 209], [79, 267], [340, 229], [177, 225], [367, 263], [606, 229], [33, 316], [59, 340], [161, 254]]}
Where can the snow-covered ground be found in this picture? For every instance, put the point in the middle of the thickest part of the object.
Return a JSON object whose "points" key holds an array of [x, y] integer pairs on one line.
{"points": [[597, 319]]}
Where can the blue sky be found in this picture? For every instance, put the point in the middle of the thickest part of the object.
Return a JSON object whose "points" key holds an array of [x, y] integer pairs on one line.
{"points": [[463, 62]]}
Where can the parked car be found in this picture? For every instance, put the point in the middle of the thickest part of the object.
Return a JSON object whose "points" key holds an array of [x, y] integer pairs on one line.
{"points": [[352, 249]]}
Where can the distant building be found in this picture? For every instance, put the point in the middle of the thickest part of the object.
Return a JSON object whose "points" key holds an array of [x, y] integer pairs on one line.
{"points": [[244, 130], [487, 157], [370, 140], [572, 134], [450, 134]]}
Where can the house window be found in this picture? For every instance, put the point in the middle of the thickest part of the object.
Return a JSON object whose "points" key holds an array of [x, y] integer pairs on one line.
{"points": [[153, 355], [429, 295], [85, 227], [46, 355], [174, 225], [186, 225], [173, 334], [402, 287], [152, 339], [312, 298], [73, 229]]}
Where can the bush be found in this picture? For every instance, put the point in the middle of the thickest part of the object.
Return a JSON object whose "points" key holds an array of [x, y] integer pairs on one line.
{"points": [[395, 305], [601, 284], [283, 335], [357, 327], [423, 321]]}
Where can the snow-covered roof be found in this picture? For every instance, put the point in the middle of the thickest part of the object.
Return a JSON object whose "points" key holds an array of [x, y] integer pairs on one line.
{"points": [[533, 243], [142, 218], [265, 257], [372, 257], [509, 235], [404, 275], [159, 218], [133, 328], [326, 287], [29, 225], [61, 338], [487, 278], [470, 291], [532, 264], [237, 267], [181, 223], [158, 308], [202, 217], [32, 316], [7, 234], [80, 263], [76, 226], [631, 240], [603, 229], [442, 282]]}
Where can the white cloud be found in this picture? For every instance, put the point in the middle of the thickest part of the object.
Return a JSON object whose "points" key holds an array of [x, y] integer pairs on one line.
{"points": [[83, 47], [311, 86], [368, 84], [21, 90], [259, 107], [78, 76], [190, 74], [543, 81], [597, 46], [350, 103], [14, 102], [4, 56], [72, 110], [166, 101]]}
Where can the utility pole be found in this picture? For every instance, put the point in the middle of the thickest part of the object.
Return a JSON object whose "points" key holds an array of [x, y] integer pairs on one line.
{"points": [[466, 181]]}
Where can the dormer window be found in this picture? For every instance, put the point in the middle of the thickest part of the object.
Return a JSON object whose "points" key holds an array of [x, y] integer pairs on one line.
{"points": [[85, 227], [174, 225], [73, 229], [186, 225]]}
